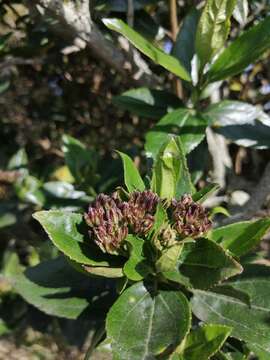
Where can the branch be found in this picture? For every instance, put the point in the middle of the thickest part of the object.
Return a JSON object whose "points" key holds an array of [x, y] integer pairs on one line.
{"points": [[74, 23]]}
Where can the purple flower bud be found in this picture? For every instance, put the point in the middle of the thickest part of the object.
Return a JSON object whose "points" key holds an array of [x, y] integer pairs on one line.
{"points": [[140, 211], [107, 222], [191, 218]]}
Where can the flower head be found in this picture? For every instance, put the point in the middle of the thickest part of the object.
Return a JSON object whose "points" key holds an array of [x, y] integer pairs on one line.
{"points": [[107, 223], [191, 218], [140, 211]]}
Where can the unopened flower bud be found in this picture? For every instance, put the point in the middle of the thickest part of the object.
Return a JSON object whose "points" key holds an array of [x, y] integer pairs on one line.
{"points": [[166, 238], [141, 210], [191, 218], [107, 223]]}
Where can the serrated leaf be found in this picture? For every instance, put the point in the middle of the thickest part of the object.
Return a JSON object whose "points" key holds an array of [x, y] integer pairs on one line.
{"points": [[64, 229], [143, 324], [190, 127], [55, 288], [241, 237], [203, 264], [149, 103], [249, 323], [157, 55], [133, 180], [238, 54], [171, 177], [213, 28], [136, 267], [203, 342]]}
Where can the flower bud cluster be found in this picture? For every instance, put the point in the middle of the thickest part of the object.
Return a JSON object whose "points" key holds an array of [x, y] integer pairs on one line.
{"points": [[110, 219], [190, 218]]}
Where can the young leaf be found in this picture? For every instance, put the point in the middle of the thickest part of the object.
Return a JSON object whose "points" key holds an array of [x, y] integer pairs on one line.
{"points": [[132, 176], [204, 193], [55, 288], [18, 161], [241, 237], [246, 49], [203, 342], [249, 323], [136, 268], [190, 127], [157, 55], [63, 229], [213, 28], [149, 103], [170, 173], [203, 264], [184, 48], [143, 324]]}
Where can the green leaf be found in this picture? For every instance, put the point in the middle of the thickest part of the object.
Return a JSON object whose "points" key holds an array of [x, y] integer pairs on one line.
{"points": [[122, 5], [190, 127], [136, 267], [241, 237], [157, 55], [170, 173], [81, 161], [203, 264], [143, 324], [29, 189], [204, 193], [55, 288], [230, 112], [213, 28], [64, 229], [169, 258], [132, 176], [238, 54], [108, 272], [62, 190], [184, 47], [149, 103], [203, 342], [240, 12], [249, 323]]}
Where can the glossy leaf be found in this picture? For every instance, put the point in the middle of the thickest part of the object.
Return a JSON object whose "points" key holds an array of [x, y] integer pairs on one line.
{"points": [[18, 161], [169, 258], [136, 268], [132, 176], [249, 323], [203, 342], [170, 173], [213, 28], [246, 49], [65, 231], [55, 288], [108, 272], [203, 264], [229, 112], [62, 190], [149, 103], [190, 127], [240, 12], [241, 237], [143, 324], [29, 189], [184, 48], [157, 55], [204, 193]]}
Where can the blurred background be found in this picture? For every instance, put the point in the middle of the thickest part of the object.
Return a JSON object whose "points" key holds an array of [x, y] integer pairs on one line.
{"points": [[61, 104]]}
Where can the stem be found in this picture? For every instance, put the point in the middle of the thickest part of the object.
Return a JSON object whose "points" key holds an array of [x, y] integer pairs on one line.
{"points": [[174, 30], [96, 339]]}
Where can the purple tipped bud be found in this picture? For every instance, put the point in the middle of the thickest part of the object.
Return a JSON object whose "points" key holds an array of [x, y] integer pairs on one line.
{"points": [[107, 222], [141, 210], [191, 218]]}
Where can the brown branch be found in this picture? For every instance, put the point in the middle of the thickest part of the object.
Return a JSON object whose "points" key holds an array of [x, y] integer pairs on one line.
{"points": [[74, 23]]}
